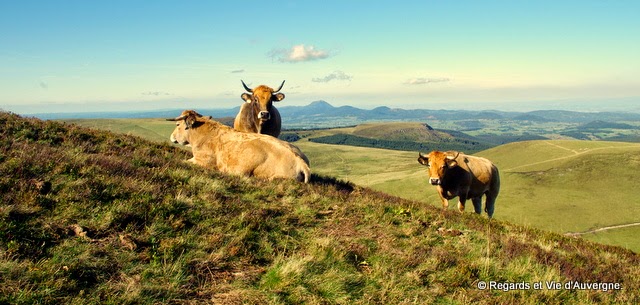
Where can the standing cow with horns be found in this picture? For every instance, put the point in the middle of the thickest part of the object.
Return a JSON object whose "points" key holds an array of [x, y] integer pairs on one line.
{"points": [[258, 115], [468, 177]]}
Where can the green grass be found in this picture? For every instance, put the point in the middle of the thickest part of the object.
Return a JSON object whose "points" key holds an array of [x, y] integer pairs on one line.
{"points": [[92, 217], [560, 185], [624, 237], [583, 184], [399, 131], [151, 129]]}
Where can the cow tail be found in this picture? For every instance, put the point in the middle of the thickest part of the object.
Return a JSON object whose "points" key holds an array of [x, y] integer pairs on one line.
{"points": [[304, 173]]}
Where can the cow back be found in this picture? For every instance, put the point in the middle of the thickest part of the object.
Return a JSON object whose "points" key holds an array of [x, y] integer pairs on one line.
{"points": [[482, 176], [249, 154]]}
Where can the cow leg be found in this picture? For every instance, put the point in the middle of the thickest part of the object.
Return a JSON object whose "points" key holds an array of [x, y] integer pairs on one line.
{"points": [[461, 202], [490, 204], [477, 204], [445, 201]]}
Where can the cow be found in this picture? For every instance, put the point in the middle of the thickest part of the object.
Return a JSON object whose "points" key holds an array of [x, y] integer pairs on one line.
{"points": [[220, 147], [468, 177], [257, 114]]}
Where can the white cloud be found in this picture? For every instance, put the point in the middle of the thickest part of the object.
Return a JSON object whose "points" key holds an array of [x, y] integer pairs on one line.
{"points": [[336, 75], [425, 80], [155, 93], [298, 53]]}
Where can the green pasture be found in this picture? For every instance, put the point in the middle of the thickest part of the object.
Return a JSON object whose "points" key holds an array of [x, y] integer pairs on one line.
{"points": [[624, 237], [557, 185], [152, 129], [561, 186], [94, 217]]}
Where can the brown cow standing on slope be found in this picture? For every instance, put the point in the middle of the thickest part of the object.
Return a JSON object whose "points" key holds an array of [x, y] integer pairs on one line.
{"points": [[217, 146], [258, 115], [456, 174]]}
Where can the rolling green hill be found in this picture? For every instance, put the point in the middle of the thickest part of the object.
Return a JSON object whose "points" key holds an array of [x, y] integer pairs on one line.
{"points": [[399, 136], [401, 131], [543, 182], [93, 217], [152, 129], [562, 186]]}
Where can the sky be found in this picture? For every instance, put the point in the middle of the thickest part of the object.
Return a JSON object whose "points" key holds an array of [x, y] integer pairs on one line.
{"points": [[72, 56]]}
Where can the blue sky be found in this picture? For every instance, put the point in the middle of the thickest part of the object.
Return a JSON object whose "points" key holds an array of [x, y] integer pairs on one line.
{"points": [[141, 55]]}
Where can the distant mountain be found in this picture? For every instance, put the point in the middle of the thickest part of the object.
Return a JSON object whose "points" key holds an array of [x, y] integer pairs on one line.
{"points": [[605, 125], [532, 118], [319, 105], [322, 114], [319, 112], [584, 117]]}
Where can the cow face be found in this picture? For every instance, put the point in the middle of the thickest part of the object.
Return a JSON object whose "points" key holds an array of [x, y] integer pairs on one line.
{"points": [[187, 120], [438, 163], [262, 99]]}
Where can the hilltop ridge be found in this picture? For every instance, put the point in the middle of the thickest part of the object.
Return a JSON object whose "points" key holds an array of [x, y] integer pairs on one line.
{"points": [[94, 217]]}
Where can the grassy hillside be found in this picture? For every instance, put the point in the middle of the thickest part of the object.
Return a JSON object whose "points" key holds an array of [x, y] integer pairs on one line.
{"points": [[157, 130], [151, 129], [400, 131], [91, 217], [573, 186], [560, 203], [562, 186], [400, 136]]}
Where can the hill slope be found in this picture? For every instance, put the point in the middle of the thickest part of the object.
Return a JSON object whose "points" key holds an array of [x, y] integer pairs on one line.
{"points": [[92, 217], [574, 186], [561, 206], [561, 186], [399, 136]]}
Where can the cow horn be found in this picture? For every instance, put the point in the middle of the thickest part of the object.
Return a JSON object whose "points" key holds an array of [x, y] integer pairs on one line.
{"points": [[453, 157], [180, 118], [245, 87], [279, 87]]}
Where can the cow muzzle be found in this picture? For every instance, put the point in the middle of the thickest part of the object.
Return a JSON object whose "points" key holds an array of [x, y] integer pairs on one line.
{"points": [[175, 141], [264, 115], [435, 181]]}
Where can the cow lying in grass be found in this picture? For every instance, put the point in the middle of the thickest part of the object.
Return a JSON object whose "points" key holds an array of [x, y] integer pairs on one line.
{"points": [[249, 154], [468, 177]]}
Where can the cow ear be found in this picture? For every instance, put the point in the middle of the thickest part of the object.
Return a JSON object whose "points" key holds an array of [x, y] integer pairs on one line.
{"points": [[451, 163], [246, 97], [198, 123], [190, 120], [278, 97], [424, 160]]}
